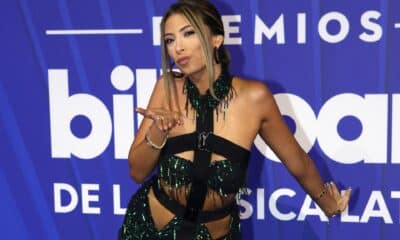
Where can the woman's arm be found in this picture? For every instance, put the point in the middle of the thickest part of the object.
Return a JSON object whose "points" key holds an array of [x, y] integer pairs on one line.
{"points": [[274, 131], [157, 121]]}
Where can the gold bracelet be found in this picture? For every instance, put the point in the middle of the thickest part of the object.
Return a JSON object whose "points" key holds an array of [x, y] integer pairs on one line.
{"points": [[153, 145], [321, 194]]}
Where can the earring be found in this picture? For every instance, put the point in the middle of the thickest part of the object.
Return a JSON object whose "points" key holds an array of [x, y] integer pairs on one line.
{"points": [[216, 55]]}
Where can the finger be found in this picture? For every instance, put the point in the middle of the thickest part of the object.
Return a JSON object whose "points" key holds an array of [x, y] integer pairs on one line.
{"points": [[329, 188], [158, 123], [140, 110], [147, 113], [181, 118], [178, 119], [335, 191], [346, 198], [173, 119], [347, 194], [334, 188], [164, 123], [171, 122]]}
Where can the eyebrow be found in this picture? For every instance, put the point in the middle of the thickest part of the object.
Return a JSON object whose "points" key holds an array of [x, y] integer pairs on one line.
{"points": [[180, 30]]}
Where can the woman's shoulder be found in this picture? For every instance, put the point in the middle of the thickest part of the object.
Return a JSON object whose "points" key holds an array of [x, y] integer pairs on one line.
{"points": [[253, 90]]}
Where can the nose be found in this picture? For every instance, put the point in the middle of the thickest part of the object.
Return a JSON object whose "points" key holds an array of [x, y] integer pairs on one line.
{"points": [[179, 45]]}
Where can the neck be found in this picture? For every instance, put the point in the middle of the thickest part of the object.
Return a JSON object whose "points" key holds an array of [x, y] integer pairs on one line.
{"points": [[200, 78]]}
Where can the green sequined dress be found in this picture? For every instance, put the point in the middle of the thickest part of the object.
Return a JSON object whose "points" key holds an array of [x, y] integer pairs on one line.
{"points": [[138, 223], [224, 177]]}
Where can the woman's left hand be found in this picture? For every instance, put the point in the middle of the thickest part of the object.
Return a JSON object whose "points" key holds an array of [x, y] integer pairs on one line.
{"points": [[342, 201]]}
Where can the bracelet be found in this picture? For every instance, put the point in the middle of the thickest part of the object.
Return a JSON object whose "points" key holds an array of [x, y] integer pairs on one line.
{"points": [[153, 145], [321, 194]]}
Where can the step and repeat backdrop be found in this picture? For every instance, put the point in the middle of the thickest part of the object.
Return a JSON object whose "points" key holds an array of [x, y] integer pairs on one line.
{"points": [[72, 73]]}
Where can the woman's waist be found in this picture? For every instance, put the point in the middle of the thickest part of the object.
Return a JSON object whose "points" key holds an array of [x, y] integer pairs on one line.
{"points": [[214, 200], [175, 199]]}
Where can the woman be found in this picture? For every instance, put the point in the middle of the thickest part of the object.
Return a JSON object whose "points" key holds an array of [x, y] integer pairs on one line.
{"points": [[193, 131]]}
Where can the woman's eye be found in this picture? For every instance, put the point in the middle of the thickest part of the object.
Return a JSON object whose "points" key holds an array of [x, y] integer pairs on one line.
{"points": [[168, 41], [189, 33]]}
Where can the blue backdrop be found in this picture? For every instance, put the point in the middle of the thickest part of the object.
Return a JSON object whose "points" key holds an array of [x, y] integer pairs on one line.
{"points": [[73, 71]]}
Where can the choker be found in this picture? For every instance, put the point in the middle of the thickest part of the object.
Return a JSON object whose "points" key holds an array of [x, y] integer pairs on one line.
{"points": [[202, 104]]}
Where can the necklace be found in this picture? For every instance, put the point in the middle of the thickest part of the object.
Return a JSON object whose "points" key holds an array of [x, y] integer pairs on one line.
{"points": [[202, 104]]}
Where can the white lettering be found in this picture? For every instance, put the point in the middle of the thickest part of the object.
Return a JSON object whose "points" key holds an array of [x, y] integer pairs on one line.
{"points": [[273, 204], [395, 195], [58, 206], [307, 210], [260, 203], [323, 27], [248, 208], [372, 113], [301, 28], [382, 211], [117, 201], [63, 108], [156, 30], [122, 79], [278, 29], [395, 128], [375, 28], [87, 198], [231, 29]]}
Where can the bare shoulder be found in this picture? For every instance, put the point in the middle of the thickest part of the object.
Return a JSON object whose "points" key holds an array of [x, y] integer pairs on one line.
{"points": [[257, 95], [252, 90]]}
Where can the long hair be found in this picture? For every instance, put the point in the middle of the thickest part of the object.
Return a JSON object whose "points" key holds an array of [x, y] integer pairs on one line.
{"points": [[201, 14]]}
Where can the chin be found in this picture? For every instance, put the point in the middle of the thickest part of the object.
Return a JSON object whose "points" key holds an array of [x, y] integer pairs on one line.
{"points": [[189, 71], [186, 70]]}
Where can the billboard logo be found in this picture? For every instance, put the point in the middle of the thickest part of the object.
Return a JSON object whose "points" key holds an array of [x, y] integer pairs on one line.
{"points": [[64, 107]]}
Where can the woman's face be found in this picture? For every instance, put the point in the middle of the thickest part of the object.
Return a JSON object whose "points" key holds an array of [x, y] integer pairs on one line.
{"points": [[183, 44]]}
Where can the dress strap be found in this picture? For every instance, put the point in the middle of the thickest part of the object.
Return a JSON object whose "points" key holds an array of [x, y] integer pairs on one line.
{"points": [[199, 176], [204, 106], [200, 172], [209, 141]]}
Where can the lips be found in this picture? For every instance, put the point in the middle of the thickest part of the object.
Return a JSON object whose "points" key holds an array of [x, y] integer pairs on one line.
{"points": [[183, 61]]}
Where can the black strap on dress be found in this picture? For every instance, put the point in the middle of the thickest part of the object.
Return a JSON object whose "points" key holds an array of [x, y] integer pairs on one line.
{"points": [[212, 142], [199, 175]]}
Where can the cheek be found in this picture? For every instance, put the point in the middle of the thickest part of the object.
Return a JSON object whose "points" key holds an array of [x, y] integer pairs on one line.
{"points": [[200, 55], [170, 53]]}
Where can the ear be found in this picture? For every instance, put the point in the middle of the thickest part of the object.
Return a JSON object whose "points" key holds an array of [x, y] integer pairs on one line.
{"points": [[217, 40]]}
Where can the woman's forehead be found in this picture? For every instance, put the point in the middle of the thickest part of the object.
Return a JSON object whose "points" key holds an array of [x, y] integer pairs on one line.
{"points": [[175, 22]]}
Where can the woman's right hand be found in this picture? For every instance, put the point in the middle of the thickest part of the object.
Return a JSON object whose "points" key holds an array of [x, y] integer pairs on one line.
{"points": [[163, 119]]}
